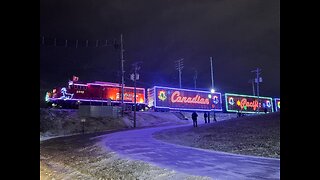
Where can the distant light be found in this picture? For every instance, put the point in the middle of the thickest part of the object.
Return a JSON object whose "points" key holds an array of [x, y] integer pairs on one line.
{"points": [[212, 91], [209, 96], [47, 97]]}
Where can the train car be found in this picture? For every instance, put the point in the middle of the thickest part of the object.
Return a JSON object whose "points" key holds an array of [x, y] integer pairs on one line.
{"points": [[247, 104], [276, 104], [167, 98], [96, 93]]}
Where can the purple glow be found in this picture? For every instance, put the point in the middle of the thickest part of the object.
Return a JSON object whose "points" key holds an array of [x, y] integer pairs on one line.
{"points": [[184, 89], [208, 110], [76, 84], [88, 100], [114, 86]]}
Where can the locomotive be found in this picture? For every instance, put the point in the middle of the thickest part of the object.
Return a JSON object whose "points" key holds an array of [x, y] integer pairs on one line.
{"points": [[94, 93]]}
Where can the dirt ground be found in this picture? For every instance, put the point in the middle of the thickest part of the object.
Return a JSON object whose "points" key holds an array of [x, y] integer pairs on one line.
{"points": [[81, 157]]}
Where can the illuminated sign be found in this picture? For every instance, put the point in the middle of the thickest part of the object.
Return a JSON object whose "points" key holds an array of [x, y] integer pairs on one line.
{"points": [[247, 104], [177, 98], [184, 99], [277, 104]]}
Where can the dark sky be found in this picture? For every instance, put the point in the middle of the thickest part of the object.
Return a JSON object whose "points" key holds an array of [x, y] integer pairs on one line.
{"points": [[239, 35]]}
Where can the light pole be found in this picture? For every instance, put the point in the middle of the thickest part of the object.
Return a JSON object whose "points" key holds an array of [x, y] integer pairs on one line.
{"points": [[212, 82], [212, 89]]}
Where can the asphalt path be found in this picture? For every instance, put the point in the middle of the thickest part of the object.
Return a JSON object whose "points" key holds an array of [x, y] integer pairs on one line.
{"points": [[140, 145]]}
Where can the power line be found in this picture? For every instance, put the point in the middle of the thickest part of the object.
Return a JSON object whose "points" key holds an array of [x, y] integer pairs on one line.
{"points": [[71, 43]]}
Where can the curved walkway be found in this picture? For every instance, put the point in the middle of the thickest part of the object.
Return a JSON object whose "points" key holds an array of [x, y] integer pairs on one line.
{"points": [[140, 145]]}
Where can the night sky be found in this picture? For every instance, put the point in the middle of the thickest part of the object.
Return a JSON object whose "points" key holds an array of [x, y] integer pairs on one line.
{"points": [[239, 35]]}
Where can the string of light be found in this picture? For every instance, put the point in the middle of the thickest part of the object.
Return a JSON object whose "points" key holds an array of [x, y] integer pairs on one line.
{"points": [[57, 42]]}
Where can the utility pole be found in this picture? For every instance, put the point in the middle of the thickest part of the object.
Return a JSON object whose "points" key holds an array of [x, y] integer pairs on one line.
{"points": [[195, 79], [122, 74], [135, 77], [252, 83], [179, 67], [258, 80], [212, 83]]}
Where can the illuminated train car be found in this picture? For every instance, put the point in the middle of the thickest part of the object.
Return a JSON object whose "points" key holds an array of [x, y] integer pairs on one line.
{"points": [[96, 93], [247, 104], [276, 104], [166, 98]]}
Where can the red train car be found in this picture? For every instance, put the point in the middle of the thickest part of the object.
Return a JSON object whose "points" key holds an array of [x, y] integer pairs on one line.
{"points": [[95, 93]]}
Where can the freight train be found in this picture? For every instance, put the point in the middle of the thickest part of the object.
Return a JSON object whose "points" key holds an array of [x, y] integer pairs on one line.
{"points": [[158, 98]]}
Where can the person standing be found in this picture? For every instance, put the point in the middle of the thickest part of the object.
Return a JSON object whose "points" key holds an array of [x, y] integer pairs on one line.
{"points": [[194, 119], [214, 116], [208, 117], [205, 117]]}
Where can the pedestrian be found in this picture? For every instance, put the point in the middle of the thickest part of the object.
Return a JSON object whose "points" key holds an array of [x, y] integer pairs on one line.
{"points": [[194, 119], [205, 117], [208, 117], [214, 116]]}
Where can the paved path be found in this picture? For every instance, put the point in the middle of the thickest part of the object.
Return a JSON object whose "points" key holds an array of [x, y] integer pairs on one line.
{"points": [[140, 145]]}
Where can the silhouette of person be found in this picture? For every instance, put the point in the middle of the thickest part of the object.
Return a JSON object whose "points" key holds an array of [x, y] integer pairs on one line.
{"points": [[214, 116], [205, 115], [194, 119]]}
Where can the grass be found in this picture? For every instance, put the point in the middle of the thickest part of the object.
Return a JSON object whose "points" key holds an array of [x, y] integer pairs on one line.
{"points": [[257, 135]]}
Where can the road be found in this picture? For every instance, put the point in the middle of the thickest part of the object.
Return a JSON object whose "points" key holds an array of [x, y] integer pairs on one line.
{"points": [[140, 145]]}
